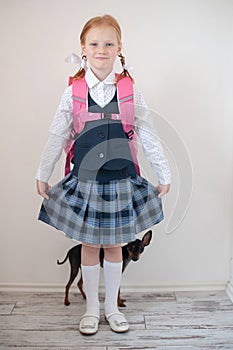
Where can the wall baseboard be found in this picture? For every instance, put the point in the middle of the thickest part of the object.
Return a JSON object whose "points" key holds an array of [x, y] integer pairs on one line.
{"points": [[229, 290], [158, 288]]}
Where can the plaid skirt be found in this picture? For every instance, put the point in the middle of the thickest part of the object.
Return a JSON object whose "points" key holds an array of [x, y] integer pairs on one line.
{"points": [[102, 213]]}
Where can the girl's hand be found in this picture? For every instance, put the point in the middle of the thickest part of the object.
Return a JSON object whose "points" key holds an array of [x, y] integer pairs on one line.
{"points": [[163, 189], [42, 188]]}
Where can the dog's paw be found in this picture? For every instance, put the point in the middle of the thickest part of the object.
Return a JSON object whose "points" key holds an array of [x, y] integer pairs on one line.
{"points": [[121, 303]]}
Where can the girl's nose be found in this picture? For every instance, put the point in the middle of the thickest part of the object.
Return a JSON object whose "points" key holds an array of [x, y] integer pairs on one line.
{"points": [[101, 49]]}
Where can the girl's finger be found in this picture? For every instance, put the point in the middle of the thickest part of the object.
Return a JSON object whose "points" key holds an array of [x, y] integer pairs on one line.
{"points": [[161, 194], [44, 195]]}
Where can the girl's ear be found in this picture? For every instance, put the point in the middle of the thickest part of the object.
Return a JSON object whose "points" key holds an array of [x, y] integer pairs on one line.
{"points": [[83, 50], [119, 48]]}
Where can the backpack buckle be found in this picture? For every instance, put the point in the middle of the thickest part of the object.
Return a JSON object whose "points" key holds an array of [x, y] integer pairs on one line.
{"points": [[73, 134], [129, 134]]}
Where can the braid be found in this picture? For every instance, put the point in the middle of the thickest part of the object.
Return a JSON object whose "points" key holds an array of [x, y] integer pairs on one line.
{"points": [[80, 74], [82, 70], [125, 72]]}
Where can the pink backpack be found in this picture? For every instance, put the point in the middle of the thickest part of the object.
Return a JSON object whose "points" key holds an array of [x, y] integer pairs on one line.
{"points": [[81, 115]]}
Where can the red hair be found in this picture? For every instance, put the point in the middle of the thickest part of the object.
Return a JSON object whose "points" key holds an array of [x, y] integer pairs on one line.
{"points": [[102, 21]]}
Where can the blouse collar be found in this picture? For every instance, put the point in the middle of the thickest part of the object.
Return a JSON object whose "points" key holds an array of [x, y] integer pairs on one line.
{"points": [[92, 80]]}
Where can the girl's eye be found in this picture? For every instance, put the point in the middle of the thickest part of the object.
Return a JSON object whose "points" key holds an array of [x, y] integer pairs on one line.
{"points": [[93, 44], [109, 44]]}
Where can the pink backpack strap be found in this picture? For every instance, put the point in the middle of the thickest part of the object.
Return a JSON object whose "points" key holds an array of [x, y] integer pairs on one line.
{"points": [[67, 163], [125, 90], [79, 96], [80, 90], [126, 102], [70, 81]]}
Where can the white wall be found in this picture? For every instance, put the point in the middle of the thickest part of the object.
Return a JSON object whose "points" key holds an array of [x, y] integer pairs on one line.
{"points": [[181, 52], [230, 284]]}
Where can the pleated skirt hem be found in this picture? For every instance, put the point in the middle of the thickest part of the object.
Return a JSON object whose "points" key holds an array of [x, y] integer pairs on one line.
{"points": [[97, 213]]}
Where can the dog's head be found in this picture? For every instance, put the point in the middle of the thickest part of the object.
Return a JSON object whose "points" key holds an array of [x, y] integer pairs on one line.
{"points": [[136, 248]]}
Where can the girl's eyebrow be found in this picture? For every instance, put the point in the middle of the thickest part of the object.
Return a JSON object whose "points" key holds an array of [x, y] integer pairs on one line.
{"points": [[106, 41]]}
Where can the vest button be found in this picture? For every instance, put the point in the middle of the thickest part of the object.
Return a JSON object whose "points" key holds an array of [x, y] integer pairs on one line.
{"points": [[101, 135], [101, 155], [123, 172]]}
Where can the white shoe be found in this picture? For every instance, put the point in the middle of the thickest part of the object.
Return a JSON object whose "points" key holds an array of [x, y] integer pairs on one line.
{"points": [[117, 322], [89, 324]]}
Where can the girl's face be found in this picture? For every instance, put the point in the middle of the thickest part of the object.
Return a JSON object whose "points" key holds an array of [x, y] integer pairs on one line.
{"points": [[101, 48]]}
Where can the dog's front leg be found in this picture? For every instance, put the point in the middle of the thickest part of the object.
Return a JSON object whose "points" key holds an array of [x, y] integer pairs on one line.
{"points": [[80, 286], [120, 301]]}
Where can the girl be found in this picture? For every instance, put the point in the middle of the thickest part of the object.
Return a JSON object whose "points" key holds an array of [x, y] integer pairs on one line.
{"points": [[103, 201]]}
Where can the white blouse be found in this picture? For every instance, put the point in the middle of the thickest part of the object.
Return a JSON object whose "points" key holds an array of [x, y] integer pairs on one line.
{"points": [[102, 93]]}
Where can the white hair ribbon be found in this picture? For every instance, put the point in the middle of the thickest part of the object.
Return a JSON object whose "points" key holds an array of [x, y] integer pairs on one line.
{"points": [[73, 58]]}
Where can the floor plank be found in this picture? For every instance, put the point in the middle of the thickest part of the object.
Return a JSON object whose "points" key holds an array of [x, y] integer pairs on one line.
{"points": [[6, 309], [164, 321], [220, 296], [58, 323], [149, 338]]}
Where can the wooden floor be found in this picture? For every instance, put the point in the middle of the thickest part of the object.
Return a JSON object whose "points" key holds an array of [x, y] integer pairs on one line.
{"points": [[173, 321]]}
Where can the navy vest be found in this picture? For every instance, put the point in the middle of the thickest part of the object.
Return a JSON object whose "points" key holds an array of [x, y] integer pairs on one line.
{"points": [[101, 151]]}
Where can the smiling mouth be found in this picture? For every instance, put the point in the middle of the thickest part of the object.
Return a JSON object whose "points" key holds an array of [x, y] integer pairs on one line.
{"points": [[101, 58]]}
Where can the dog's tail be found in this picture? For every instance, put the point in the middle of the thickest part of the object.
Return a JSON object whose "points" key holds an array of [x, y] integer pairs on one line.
{"points": [[62, 262]]}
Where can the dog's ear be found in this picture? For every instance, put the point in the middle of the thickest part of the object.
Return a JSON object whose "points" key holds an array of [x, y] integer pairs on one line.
{"points": [[147, 238]]}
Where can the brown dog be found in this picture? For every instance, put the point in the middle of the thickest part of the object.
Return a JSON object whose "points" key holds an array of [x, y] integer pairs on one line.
{"points": [[131, 251]]}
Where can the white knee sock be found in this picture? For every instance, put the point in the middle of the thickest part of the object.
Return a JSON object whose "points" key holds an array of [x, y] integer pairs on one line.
{"points": [[91, 276], [112, 280]]}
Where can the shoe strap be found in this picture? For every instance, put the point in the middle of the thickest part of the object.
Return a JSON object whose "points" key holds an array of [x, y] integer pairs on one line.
{"points": [[117, 313], [90, 315]]}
